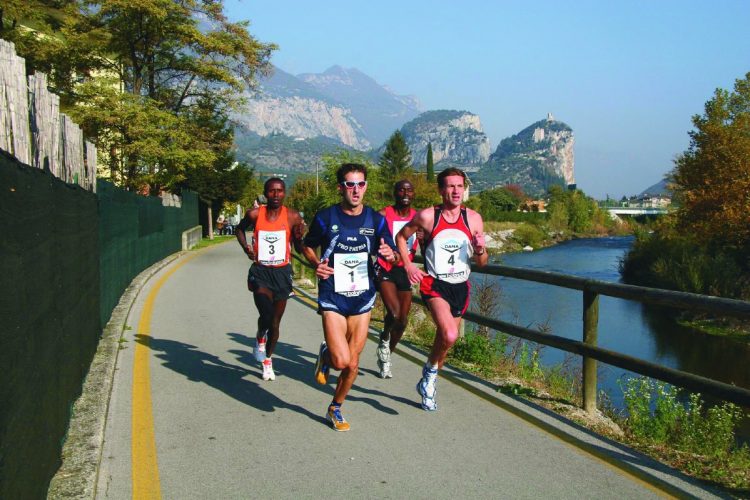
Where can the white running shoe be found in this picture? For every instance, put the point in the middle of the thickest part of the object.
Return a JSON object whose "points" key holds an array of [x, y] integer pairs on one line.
{"points": [[384, 360], [268, 373], [260, 349], [426, 387]]}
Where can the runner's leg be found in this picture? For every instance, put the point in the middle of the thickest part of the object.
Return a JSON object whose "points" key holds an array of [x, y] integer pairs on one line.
{"points": [[389, 294], [263, 298], [446, 332], [346, 338], [401, 320], [278, 311]]}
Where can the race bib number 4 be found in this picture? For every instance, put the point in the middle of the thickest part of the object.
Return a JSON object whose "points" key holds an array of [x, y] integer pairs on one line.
{"points": [[350, 272], [271, 247], [451, 259]]}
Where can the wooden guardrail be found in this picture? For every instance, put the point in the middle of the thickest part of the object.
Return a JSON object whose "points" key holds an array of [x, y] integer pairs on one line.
{"points": [[587, 347]]}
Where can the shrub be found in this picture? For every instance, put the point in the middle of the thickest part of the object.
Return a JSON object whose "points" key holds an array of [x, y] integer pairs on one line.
{"points": [[526, 234]]}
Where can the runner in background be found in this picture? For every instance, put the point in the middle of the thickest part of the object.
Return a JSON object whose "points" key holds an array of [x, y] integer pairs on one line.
{"points": [[392, 281], [453, 234], [348, 234], [274, 228]]}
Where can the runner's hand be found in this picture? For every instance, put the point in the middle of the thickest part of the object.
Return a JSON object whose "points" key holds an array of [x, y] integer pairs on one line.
{"points": [[415, 274], [323, 271], [249, 252], [479, 243], [386, 252]]}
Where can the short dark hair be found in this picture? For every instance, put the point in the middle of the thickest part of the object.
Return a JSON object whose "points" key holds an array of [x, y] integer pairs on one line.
{"points": [[272, 180], [401, 182], [448, 172], [349, 167]]}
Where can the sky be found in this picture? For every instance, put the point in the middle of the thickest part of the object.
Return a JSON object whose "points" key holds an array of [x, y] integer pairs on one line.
{"points": [[626, 76]]}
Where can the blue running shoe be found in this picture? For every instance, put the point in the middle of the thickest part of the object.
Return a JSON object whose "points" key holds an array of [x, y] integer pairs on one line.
{"points": [[321, 369], [338, 422], [426, 387]]}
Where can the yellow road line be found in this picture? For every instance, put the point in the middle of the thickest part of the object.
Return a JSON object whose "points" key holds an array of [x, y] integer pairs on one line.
{"points": [[632, 472], [144, 464]]}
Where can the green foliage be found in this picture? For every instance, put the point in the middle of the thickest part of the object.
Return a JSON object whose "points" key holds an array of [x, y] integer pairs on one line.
{"points": [[666, 259], [303, 197], [703, 247], [430, 165], [527, 234], [712, 178], [477, 349], [151, 83], [574, 211], [395, 162], [655, 413], [528, 363]]}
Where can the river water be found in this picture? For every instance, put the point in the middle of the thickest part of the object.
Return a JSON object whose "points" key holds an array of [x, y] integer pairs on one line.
{"points": [[624, 326]]}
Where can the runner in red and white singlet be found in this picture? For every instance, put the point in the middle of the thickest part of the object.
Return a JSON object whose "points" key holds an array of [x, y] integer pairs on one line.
{"points": [[453, 235], [392, 281]]}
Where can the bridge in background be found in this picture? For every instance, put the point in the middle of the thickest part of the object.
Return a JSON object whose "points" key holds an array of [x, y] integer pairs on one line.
{"points": [[634, 211]]}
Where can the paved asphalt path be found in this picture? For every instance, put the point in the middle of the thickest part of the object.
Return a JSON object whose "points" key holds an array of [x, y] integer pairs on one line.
{"points": [[222, 432]]}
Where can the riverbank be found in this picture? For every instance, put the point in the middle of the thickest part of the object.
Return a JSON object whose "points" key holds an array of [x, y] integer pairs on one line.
{"points": [[509, 237]]}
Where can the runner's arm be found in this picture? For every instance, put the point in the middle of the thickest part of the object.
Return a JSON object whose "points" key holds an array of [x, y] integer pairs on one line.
{"points": [[297, 223], [419, 221], [313, 240], [247, 223], [480, 248], [386, 249]]}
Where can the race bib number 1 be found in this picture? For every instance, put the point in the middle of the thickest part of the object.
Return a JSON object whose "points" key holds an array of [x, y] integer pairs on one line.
{"points": [[350, 272], [271, 247]]}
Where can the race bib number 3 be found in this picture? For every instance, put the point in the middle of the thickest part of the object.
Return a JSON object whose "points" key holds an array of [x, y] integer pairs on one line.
{"points": [[350, 272], [271, 247]]}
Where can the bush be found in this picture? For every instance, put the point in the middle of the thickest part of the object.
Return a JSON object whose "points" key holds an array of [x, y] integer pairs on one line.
{"points": [[526, 234], [666, 260], [656, 414], [477, 349]]}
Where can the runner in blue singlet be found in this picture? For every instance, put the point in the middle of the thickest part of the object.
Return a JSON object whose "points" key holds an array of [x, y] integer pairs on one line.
{"points": [[348, 234]]}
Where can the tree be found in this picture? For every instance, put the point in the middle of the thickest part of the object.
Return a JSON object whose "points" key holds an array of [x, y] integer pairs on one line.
{"points": [[711, 180], [395, 162], [135, 75], [430, 166], [497, 200]]}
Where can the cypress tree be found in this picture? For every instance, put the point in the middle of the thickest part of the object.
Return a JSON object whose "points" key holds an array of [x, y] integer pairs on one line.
{"points": [[430, 166]]}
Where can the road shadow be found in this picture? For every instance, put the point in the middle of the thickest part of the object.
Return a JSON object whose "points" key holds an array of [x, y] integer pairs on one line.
{"points": [[292, 361], [198, 366]]}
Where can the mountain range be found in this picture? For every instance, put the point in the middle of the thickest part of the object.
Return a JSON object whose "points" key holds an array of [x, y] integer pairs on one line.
{"points": [[290, 121]]}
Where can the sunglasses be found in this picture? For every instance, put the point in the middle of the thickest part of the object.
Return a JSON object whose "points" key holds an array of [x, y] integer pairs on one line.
{"points": [[351, 184]]}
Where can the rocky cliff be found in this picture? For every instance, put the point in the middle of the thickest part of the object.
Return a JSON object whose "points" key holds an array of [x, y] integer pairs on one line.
{"points": [[376, 107], [304, 118], [286, 105], [457, 138], [535, 158]]}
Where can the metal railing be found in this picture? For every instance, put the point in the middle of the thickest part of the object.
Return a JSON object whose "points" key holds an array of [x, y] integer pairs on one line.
{"points": [[588, 349]]}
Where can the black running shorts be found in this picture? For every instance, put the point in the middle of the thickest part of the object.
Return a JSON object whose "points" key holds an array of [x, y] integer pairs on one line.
{"points": [[276, 279], [455, 294], [397, 276]]}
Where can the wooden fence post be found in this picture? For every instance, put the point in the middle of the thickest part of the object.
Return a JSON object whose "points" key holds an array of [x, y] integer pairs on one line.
{"points": [[590, 333], [14, 119]]}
